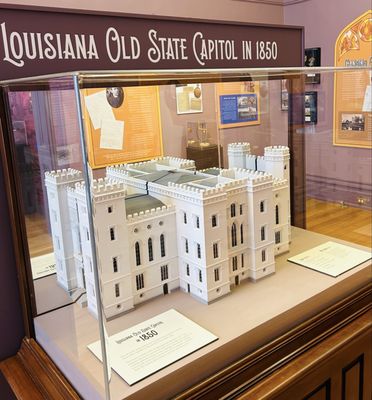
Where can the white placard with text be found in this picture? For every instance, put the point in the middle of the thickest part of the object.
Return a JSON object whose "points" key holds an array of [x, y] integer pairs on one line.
{"points": [[150, 346], [43, 265], [331, 258]]}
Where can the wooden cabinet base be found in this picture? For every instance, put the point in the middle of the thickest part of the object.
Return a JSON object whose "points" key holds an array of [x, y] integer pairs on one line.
{"points": [[338, 368], [327, 357]]}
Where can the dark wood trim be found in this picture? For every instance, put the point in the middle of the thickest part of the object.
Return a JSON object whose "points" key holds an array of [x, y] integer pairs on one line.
{"points": [[320, 363], [326, 385], [238, 377], [37, 368], [296, 142], [19, 236], [358, 361]]}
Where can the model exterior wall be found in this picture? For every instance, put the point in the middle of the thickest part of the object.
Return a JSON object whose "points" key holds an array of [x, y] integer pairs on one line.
{"points": [[211, 232], [195, 241], [57, 184], [155, 235], [275, 162], [84, 247]]}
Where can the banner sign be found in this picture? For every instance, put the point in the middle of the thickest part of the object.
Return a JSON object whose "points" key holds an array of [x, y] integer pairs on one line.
{"points": [[37, 41]]}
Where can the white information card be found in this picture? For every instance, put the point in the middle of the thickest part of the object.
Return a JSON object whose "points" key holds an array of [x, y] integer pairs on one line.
{"points": [[146, 348], [43, 265], [331, 258]]}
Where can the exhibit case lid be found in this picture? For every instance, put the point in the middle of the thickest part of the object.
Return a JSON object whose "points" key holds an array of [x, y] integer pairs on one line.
{"points": [[149, 258]]}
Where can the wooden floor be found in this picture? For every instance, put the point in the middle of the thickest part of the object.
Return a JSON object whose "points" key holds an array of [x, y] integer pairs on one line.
{"points": [[343, 222], [39, 239]]}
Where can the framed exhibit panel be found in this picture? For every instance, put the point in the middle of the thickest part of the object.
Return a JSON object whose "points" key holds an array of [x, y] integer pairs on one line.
{"points": [[353, 115], [113, 114]]}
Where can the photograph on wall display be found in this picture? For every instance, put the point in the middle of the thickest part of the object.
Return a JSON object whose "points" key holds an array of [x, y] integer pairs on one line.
{"points": [[284, 95], [312, 59], [189, 98], [352, 122], [247, 107], [311, 107], [239, 104]]}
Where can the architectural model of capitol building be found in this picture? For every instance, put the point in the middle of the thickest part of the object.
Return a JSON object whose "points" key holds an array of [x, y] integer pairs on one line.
{"points": [[161, 225]]}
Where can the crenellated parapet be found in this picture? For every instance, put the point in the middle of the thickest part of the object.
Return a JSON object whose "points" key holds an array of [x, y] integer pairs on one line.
{"points": [[258, 180], [63, 176], [276, 151], [151, 213], [102, 189], [228, 173], [199, 193], [243, 147], [115, 169], [280, 183], [180, 163]]}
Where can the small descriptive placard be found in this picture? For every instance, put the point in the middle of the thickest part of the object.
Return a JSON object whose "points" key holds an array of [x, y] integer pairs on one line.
{"points": [[150, 346], [332, 258], [43, 266]]}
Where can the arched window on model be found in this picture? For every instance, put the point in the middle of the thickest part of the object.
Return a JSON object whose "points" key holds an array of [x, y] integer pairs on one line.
{"points": [[151, 253], [277, 214], [232, 210], [233, 235], [241, 233], [162, 245], [138, 253]]}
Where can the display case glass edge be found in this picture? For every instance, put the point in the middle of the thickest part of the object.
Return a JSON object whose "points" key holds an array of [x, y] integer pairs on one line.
{"points": [[19, 236]]}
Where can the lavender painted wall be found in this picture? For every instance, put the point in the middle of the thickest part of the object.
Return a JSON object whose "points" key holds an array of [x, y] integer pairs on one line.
{"points": [[323, 21], [224, 10], [341, 174], [272, 130]]}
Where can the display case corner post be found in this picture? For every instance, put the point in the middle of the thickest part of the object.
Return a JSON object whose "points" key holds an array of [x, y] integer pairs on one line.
{"points": [[87, 179], [296, 142], [18, 229]]}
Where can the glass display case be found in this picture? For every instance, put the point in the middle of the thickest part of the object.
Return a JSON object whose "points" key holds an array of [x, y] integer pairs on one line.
{"points": [[129, 209]]}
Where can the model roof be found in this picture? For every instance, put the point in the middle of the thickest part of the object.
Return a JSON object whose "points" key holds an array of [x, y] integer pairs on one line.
{"points": [[137, 202], [174, 176]]}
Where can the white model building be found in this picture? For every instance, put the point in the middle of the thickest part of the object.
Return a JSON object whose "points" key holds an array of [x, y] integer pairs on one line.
{"points": [[161, 225]]}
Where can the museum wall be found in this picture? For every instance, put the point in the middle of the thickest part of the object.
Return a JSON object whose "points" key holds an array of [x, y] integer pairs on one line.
{"points": [[331, 170], [272, 129], [223, 10]]}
